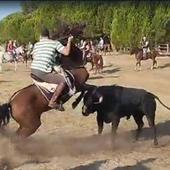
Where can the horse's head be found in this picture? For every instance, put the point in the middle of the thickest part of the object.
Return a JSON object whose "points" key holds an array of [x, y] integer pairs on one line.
{"points": [[134, 50], [75, 58]]}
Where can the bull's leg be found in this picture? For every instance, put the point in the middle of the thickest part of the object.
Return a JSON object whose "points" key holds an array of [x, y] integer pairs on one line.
{"points": [[115, 124], [140, 123], [100, 124], [151, 122]]}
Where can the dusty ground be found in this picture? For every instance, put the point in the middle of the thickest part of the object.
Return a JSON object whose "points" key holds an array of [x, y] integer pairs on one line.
{"points": [[67, 141]]}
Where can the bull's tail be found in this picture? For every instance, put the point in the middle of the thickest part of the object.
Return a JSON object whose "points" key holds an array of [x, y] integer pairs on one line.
{"points": [[5, 114], [156, 97]]}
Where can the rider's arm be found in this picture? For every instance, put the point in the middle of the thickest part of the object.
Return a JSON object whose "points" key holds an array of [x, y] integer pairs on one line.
{"points": [[65, 50]]}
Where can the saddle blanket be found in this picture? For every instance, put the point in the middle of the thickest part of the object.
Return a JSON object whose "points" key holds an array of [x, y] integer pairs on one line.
{"points": [[48, 89]]}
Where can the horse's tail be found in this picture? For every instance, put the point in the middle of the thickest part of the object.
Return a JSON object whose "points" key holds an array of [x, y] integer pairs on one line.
{"points": [[5, 114]]}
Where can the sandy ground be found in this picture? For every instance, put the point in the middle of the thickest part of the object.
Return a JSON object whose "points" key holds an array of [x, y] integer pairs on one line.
{"points": [[68, 141]]}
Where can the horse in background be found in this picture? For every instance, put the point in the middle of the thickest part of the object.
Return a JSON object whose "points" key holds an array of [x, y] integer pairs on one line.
{"points": [[91, 55], [18, 55], [96, 61], [139, 57]]}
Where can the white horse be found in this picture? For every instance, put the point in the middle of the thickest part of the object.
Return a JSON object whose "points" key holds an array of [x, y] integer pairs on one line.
{"points": [[15, 56]]}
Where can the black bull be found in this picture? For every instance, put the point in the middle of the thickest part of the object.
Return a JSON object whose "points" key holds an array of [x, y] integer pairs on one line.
{"points": [[114, 102]]}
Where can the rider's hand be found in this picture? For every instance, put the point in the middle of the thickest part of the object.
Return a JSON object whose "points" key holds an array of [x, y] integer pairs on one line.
{"points": [[70, 38]]}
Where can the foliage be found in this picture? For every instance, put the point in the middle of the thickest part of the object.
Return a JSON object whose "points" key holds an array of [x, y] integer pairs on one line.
{"points": [[126, 22]]}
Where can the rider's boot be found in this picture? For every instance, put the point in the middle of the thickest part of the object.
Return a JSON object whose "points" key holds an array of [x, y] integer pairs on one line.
{"points": [[54, 100]]}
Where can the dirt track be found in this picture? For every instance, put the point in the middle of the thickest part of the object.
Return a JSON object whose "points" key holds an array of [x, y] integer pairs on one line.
{"points": [[68, 141]]}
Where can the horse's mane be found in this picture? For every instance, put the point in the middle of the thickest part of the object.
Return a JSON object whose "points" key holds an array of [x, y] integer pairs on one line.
{"points": [[64, 30], [61, 34]]}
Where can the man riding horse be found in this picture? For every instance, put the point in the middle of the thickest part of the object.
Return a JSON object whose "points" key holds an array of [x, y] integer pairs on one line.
{"points": [[145, 46], [42, 67]]}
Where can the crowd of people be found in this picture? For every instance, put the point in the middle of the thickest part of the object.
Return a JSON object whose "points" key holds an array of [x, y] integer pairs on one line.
{"points": [[14, 50], [90, 47]]}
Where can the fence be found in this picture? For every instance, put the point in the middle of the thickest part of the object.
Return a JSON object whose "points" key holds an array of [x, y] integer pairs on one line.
{"points": [[164, 49]]}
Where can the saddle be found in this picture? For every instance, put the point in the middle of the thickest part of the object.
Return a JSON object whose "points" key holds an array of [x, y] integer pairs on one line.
{"points": [[47, 89]]}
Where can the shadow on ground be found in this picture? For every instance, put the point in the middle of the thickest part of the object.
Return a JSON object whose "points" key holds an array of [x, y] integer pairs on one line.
{"points": [[106, 66], [111, 71], [101, 77], [92, 166], [5, 81], [139, 165], [165, 66]]}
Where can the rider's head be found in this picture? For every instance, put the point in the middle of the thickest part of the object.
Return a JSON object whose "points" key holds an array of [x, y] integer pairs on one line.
{"points": [[144, 38], [45, 32]]}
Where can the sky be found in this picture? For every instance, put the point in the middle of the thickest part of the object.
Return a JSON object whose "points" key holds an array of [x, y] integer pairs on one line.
{"points": [[9, 7]]}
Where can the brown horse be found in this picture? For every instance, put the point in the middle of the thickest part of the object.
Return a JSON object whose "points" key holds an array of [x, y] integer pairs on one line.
{"points": [[26, 105], [96, 61], [139, 57]]}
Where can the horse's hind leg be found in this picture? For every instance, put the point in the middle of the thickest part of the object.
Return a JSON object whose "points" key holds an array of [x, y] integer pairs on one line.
{"points": [[29, 123], [156, 64], [138, 63], [15, 65], [24, 131]]}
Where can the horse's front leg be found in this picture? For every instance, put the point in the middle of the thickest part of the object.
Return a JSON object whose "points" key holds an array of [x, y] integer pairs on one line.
{"points": [[137, 65], [140, 67], [154, 64], [92, 65]]}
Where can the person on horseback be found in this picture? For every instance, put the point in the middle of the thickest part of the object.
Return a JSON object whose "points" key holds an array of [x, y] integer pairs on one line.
{"points": [[145, 46], [86, 48], [42, 67], [101, 44], [11, 50]]}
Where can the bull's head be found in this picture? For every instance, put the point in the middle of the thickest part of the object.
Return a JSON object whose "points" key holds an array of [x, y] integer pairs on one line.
{"points": [[91, 102]]}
